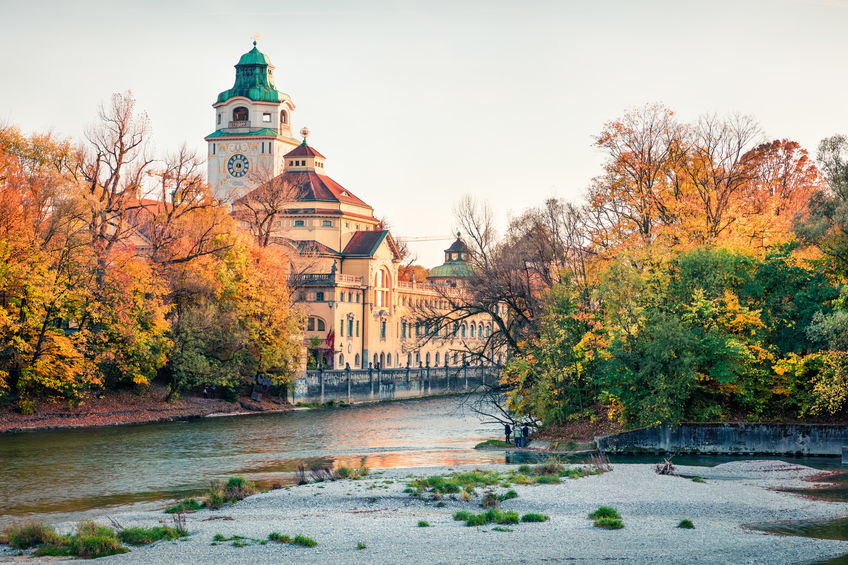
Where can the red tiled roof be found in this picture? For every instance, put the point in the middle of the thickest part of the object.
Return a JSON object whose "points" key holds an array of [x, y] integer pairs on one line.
{"points": [[303, 150], [312, 187], [364, 243]]}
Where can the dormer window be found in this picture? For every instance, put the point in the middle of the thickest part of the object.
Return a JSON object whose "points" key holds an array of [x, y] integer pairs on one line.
{"points": [[240, 114]]}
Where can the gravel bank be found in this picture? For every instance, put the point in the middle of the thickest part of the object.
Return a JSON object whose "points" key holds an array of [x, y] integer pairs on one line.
{"points": [[377, 513]]}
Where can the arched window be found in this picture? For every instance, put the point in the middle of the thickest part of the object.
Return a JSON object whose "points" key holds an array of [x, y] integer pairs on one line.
{"points": [[376, 360], [488, 329], [382, 283], [437, 358], [428, 358], [382, 360], [408, 359], [240, 114], [315, 324], [455, 358], [480, 330], [284, 118], [341, 360], [417, 358], [356, 360], [389, 360], [472, 330], [462, 331]]}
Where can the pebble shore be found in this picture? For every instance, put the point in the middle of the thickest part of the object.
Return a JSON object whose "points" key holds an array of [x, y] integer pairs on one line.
{"points": [[377, 513]]}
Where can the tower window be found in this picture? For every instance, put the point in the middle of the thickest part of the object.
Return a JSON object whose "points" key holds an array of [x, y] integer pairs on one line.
{"points": [[284, 119], [213, 148], [219, 119], [299, 223], [240, 114], [266, 118], [326, 223]]}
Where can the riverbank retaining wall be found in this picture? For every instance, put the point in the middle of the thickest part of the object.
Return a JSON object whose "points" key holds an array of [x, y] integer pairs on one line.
{"points": [[731, 439], [370, 385]]}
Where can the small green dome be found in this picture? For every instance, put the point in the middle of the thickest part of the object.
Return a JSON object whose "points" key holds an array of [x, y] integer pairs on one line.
{"points": [[453, 269], [254, 79]]}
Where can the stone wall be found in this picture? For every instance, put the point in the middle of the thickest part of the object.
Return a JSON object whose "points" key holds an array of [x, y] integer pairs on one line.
{"points": [[370, 385], [733, 439]]}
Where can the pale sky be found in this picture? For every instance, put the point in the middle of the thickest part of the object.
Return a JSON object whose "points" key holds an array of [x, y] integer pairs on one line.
{"points": [[416, 103]]}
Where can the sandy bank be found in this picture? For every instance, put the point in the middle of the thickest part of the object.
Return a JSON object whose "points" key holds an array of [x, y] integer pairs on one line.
{"points": [[376, 512]]}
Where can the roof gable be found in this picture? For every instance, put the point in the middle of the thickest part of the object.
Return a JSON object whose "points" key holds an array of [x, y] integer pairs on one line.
{"points": [[366, 244]]}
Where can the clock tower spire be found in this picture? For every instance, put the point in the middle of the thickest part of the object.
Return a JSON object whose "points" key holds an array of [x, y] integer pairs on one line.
{"points": [[252, 129]]}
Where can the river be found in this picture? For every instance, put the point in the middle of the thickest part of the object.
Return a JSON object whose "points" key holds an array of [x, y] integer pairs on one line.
{"points": [[71, 474]]}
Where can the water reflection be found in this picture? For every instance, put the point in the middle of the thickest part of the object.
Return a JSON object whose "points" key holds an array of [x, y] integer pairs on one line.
{"points": [[73, 470]]}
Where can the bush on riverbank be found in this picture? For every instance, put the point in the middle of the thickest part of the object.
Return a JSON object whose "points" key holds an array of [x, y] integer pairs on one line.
{"points": [[89, 541], [534, 517], [146, 536], [352, 473], [297, 540], [235, 489], [489, 516], [185, 505]]}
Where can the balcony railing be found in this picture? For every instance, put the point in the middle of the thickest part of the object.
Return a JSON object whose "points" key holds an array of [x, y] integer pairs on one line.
{"points": [[240, 124], [326, 279]]}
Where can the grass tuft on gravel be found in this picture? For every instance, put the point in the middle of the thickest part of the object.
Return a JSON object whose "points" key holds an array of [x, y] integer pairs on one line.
{"points": [[423, 524], [686, 525], [297, 540], [496, 443], [534, 517], [605, 512], [146, 536], [609, 523]]}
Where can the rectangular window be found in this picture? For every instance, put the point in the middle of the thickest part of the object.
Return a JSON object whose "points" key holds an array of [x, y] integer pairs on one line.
{"points": [[357, 328], [319, 297], [213, 148], [299, 223], [310, 324], [383, 330], [341, 328], [350, 328], [326, 223], [266, 118], [219, 119]]}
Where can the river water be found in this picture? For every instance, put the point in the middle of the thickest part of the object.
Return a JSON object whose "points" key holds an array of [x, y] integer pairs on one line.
{"points": [[66, 474]]}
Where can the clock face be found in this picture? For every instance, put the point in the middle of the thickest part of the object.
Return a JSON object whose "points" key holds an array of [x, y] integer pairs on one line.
{"points": [[238, 165]]}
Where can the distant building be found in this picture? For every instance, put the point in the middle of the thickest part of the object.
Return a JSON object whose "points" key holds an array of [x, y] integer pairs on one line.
{"points": [[345, 266]]}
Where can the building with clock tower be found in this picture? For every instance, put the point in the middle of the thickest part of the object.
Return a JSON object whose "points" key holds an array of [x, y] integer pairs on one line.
{"points": [[344, 264], [252, 129]]}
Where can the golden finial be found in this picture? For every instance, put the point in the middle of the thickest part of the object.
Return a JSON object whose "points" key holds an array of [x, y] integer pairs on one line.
{"points": [[255, 38]]}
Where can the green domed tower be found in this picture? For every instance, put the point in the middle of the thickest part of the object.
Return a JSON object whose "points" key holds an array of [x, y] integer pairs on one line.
{"points": [[252, 129], [456, 266]]}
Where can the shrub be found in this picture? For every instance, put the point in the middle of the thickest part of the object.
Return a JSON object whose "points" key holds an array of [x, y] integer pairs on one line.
{"points": [[524, 469], [238, 488], [277, 537], [215, 498], [423, 524], [509, 495], [686, 524], [462, 515], [297, 540], [361, 545], [185, 505], [549, 467], [90, 547], [698, 480], [605, 512], [145, 536], [533, 517], [501, 529], [547, 480], [489, 516], [609, 523], [304, 541], [29, 534], [351, 473]]}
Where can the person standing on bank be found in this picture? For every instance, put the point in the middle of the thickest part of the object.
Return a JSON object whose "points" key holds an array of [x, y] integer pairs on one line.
{"points": [[507, 432], [525, 432]]}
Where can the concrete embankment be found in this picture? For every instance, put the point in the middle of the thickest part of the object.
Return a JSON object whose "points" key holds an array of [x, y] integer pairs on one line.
{"points": [[730, 439]]}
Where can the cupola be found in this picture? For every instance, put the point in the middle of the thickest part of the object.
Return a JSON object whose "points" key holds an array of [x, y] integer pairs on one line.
{"points": [[254, 79], [304, 158]]}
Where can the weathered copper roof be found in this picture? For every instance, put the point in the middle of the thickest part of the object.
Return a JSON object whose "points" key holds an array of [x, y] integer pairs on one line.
{"points": [[254, 79]]}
